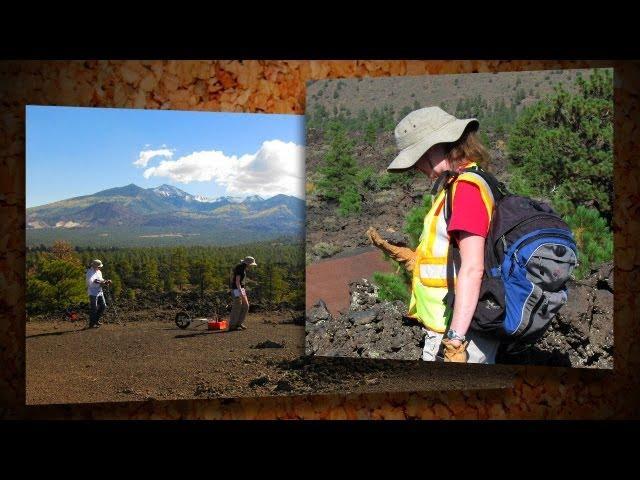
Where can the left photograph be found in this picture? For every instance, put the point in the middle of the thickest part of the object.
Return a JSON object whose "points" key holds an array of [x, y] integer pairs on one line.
{"points": [[165, 254]]}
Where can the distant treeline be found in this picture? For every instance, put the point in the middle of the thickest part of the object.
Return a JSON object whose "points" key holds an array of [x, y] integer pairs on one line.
{"points": [[496, 118], [133, 236], [56, 275]]}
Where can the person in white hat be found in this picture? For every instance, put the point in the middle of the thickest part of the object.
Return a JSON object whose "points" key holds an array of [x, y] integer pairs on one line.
{"points": [[240, 300], [94, 282], [434, 142]]}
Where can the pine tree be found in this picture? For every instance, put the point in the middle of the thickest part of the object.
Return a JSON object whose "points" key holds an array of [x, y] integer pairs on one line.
{"points": [[179, 267], [149, 276], [201, 274], [593, 239], [562, 148], [370, 134], [116, 282], [350, 201], [339, 170], [125, 271], [64, 251], [57, 284]]}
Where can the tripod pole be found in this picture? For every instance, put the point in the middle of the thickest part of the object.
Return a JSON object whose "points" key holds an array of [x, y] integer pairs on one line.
{"points": [[113, 302]]}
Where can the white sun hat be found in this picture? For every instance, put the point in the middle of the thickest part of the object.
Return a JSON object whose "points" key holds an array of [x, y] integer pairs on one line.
{"points": [[422, 129]]}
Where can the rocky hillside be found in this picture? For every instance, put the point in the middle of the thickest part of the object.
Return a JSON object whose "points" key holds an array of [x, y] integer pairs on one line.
{"points": [[581, 335], [366, 94]]}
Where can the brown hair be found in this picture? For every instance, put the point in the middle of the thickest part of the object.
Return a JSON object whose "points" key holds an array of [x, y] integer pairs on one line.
{"points": [[468, 148]]}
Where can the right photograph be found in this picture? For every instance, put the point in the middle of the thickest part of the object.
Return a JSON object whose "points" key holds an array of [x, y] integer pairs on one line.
{"points": [[462, 218]]}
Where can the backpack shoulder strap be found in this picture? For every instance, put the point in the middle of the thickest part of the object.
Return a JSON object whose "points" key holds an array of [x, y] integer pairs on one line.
{"points": [[444, 182], [453, 253], [498, 188]]}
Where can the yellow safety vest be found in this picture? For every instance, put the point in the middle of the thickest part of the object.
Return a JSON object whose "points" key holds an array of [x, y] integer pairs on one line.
{"points": [[429, 280]]}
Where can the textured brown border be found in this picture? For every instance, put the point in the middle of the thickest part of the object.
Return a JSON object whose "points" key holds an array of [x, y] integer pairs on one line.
{"points": [[279, 87]]}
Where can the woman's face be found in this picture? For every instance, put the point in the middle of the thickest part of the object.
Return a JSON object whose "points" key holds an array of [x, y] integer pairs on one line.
{"points": [[433, 162]]}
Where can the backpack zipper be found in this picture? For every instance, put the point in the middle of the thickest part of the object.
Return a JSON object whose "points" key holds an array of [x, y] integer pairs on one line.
{"points": [[529, 240], [503, 238], [537, 237], [524, 222]]}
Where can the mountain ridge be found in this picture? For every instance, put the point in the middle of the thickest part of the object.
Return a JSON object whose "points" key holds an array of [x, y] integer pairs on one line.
{"points": [[165, 208]]}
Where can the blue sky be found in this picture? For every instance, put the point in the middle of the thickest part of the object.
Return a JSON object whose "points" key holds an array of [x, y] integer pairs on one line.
{"points": [[73, 151]]}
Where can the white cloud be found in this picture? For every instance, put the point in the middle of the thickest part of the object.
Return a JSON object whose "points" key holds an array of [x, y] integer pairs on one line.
{"points": [[146, 155], [277, 167]]}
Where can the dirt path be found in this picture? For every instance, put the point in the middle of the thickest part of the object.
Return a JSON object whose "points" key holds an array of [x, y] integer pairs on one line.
{"points": [[329, 279], [144, 360]]}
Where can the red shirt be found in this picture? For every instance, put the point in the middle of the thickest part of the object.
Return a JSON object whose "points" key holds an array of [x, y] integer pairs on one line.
{"points": [[468, 211]]}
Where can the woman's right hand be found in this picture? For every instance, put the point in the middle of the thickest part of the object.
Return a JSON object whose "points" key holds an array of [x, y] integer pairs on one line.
{"points": [[403, 255]]}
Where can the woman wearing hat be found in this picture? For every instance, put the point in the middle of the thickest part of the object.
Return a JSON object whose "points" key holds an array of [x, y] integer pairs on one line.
{"points": [[435, 143], [94, 283], [240, 301]]}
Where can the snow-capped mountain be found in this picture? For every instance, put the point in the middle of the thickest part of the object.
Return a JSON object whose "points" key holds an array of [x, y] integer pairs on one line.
{"points": [[254, 198], [171, 191], [200, 198], [167, 207]]}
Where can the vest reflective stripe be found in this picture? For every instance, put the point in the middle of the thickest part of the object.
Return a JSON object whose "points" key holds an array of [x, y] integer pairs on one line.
{"points": [[433, 275], [429, 279]]}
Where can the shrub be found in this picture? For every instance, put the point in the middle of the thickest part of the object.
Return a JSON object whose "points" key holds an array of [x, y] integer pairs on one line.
{"points": [[370, 134], [392, 287], [324, 249], [391, 180], [415, 220], [593, 239], [350, 202], [55, 284], [367, 179]]}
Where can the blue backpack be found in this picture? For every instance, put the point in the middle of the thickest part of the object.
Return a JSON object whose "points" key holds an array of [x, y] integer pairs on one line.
{"points": [[530, 254]]}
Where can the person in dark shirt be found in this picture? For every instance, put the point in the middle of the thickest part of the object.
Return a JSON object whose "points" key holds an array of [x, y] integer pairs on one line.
{"points": [[240, 301]]}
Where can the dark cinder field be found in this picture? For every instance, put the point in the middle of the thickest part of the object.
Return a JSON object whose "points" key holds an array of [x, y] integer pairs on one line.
{"points": [[148, 357]]}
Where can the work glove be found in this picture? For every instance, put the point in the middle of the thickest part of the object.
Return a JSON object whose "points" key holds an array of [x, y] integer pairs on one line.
{"points": [[403, 255], [454, 353]]}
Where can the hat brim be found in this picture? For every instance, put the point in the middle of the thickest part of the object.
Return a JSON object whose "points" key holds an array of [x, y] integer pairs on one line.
{"points": [[451, 132]]}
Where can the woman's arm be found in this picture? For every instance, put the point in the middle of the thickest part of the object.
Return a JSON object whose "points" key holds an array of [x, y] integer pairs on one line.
{"points": [[468, 280], [241, 290]]}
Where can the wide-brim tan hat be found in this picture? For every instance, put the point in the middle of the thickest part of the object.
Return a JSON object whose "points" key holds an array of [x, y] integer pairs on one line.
{"points": [[422, 129], [96, 263], [250, 261]]}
